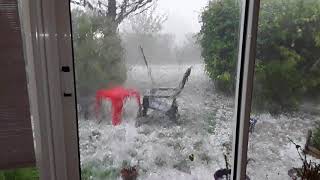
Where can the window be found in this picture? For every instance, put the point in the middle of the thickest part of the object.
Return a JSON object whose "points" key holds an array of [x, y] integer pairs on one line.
{"points": [[285, 103], [142, 141], [147, 104]]}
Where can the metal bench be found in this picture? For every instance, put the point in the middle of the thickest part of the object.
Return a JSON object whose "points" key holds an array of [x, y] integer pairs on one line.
{"points": [[163, 99]]}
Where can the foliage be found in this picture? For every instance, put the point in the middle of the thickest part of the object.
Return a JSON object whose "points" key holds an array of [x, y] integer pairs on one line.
{"points": [[287, 59], [316, 137], [92, 172], [219, 40], [156, 48], [115, 10], [190, 50], [147, 23], [278, 83], [20, 174], [99, 60], [144, 30]]}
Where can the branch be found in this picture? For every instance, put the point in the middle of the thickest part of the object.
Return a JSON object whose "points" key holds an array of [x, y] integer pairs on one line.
{"points": [[145, 9], [126, 8], [123, 8], [132, 8], [75, 2], [147, 65], [315, 65], [83, 3], [297, 148], [100, 4]]}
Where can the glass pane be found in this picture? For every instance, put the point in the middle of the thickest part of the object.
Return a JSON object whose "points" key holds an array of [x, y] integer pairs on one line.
{"points": [[155, 87], [286, 92]]}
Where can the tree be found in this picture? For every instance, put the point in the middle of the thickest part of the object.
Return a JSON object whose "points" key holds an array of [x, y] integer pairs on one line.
{"points": [[190, 50], [146, 23], [99, 56], [145, 29], [115, 11], [287, 61]]}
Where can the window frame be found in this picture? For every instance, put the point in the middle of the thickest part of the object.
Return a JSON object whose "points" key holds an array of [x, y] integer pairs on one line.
{"points": [[245, 72], [47, 25], [48, 38]]}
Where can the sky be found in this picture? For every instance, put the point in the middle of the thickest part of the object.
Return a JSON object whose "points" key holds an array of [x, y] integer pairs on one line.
{"points": [[183, 16]]}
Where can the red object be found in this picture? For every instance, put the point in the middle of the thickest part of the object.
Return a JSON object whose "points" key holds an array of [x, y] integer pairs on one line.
{"points": [[117, 96]]}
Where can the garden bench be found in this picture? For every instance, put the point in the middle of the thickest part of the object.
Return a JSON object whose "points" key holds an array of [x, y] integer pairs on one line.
{"points": [[163, 99]]}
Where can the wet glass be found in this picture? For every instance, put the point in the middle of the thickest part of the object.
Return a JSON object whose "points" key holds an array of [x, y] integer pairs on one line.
{"points": [[155, 87], [286, 102]]}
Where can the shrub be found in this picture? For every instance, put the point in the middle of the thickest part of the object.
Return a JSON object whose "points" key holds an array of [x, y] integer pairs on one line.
{"points": [[287, 56], [316, 137], [99, 56], [219, 40]]}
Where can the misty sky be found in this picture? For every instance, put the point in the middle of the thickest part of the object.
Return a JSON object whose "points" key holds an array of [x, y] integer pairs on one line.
{"points": [[183, 16]]}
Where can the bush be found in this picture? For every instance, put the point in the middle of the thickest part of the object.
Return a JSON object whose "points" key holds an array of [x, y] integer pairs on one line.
{"points": [[219, 41], [278, 84], [287, 60], [316, 137], [99, 56]]}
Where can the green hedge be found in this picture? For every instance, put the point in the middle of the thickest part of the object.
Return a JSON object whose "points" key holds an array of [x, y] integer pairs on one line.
{"points": [[288, 57]]}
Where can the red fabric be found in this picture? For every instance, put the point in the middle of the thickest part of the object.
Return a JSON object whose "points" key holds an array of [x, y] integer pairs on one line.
{"points": [[117, 96]]}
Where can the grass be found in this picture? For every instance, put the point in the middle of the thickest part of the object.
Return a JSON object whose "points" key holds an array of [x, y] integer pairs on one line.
{"points": [[20, 174], [87, 173], [211, 123], [91, 172]]}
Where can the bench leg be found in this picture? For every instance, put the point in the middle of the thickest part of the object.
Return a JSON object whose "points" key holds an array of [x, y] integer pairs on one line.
{"points": [[173, 111], [145, 105]]}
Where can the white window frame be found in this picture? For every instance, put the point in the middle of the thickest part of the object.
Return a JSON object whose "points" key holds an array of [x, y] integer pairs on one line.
{"points": [[46, 26], [48, 42]]}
